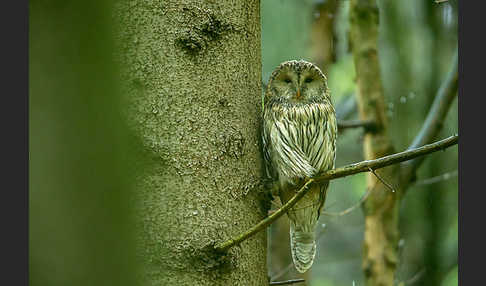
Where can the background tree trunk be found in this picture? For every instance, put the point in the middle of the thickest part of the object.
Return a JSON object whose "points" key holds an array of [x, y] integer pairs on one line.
{"points": [[192, 73], [323, 38], [381, 208]]}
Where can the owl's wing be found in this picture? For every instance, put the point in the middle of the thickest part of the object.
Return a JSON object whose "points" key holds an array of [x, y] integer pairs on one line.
{"points": [[286, 152], [269, 170], [322, 131]]}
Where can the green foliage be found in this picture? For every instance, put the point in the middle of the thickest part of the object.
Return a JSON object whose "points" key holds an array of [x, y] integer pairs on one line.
{"points": [[451, 278], [342, 78]]}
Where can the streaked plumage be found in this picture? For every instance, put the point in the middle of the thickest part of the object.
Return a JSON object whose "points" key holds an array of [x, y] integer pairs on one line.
{"points": [[299, 140]]}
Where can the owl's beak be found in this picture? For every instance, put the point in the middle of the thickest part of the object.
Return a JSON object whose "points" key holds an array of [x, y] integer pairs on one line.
{"points": [[298, 93]]}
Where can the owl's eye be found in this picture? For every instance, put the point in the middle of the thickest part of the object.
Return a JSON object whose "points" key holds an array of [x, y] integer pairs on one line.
{"points": [[309, 79], [287, 80]]}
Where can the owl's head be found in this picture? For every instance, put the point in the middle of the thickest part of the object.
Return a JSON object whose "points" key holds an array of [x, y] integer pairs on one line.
{"points": [[297, 83]]}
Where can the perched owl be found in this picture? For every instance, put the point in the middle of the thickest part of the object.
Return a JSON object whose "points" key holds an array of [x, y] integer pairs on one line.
{"points": [[299, 141]]}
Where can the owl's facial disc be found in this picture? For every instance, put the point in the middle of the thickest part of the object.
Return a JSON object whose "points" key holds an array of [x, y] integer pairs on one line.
{"points": [[298, 82], [286, 84]]}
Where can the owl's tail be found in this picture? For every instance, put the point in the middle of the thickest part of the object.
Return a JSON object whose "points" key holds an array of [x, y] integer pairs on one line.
{"points": [[303, 219], [303, 248]]}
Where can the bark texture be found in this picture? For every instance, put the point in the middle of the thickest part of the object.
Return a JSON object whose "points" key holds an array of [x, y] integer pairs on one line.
{"points": [[380, 209], [192, 72]]}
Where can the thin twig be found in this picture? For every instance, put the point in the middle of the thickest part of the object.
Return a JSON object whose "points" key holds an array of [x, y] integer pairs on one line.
{"points": [[289, 266], [338, 173], [319, 235], [440, 1], [382, 180], [283, 272], [346, 107], [415, 277], [368, 125], [287, 282], [437, 179], [434, 121], [352, 208], [266, 222], [276, 204]]}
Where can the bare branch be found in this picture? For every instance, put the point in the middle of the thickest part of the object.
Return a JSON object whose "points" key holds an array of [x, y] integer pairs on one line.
{"points": [[387, 160], [266, 222], [338, 173], [434, 121], [287, 282], [346, 107], [368, 125], [389, 186], [291, 264], [436, 179], [283, 272], [414, 278], [352, 208], [333, 214]]}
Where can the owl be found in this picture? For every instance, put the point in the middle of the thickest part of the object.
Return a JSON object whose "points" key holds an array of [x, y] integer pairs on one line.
{"points": [[299, 141]]}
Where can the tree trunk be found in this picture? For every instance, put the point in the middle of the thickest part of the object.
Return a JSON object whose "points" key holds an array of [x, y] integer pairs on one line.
{"points": [[323, 37], [192, 74], [381, 208]]}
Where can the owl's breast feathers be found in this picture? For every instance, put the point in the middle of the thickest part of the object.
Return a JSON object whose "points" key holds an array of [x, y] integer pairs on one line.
{"points": [[300, 140]]}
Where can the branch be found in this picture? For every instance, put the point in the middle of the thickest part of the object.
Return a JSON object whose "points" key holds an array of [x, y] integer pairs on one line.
{"points": [[346, 107], [288, 282], [436, 179], [284, 271], [368, 125], [352, 208], [434, 121], [266, 222], [387, 160], [382, 180], [413, 279], [360, 167]]}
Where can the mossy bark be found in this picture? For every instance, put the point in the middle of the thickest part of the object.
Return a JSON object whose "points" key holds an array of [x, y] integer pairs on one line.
{"points": [[192, 74], [381, 207]]}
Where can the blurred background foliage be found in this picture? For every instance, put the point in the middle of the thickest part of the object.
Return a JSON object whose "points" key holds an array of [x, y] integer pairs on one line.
{"points": [[416, 46], [80, 229]]}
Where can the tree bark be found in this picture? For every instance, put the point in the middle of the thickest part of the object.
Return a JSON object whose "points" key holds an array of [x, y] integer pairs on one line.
{"points": [[192, 74], [380, 209]]}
